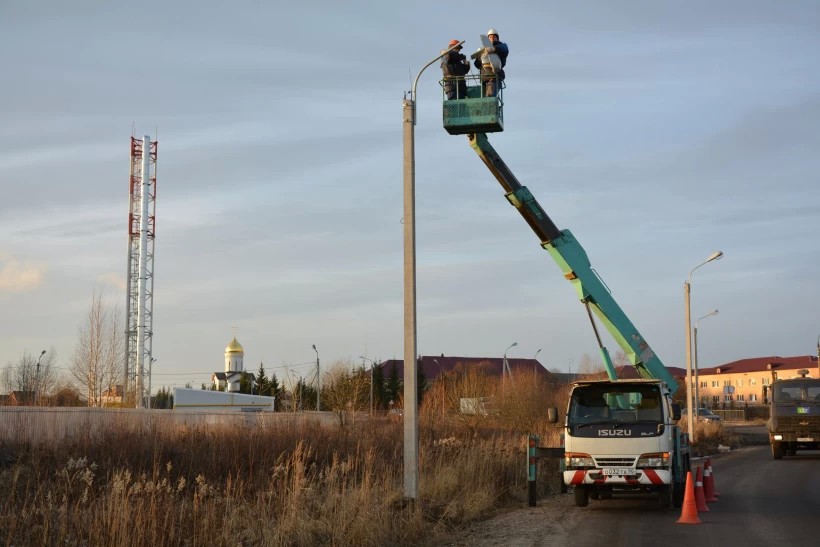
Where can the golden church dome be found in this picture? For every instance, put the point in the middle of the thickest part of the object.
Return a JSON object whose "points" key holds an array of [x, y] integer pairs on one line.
{"points": [[234, 347]]}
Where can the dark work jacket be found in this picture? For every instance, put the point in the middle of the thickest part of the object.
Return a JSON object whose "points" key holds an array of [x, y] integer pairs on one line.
{"points": [[502, 51], [452, 64]]}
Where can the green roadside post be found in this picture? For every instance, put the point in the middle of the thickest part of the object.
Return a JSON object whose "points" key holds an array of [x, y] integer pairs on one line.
{"points": [[531, 468]]}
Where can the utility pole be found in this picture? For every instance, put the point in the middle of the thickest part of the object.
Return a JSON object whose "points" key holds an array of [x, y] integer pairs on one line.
{"points": [[37, 378], [818, 356], [411, 422], [318, 382]]}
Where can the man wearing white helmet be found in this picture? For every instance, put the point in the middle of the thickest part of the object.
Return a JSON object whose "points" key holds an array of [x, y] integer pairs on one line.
{"points": [[493, 78]]}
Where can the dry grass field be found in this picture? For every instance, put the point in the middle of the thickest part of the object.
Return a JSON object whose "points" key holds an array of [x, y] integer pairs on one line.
{"points": [[285, 484]]}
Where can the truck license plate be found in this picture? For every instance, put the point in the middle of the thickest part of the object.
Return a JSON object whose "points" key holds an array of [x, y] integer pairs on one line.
{"points": [[805, 440], [618, 471]]}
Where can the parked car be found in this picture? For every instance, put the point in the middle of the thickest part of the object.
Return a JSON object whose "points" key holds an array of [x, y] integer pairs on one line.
{"points": [[703, 415]]}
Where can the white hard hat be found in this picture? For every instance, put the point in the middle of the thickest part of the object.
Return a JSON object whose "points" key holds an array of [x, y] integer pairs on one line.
{"points": [[492, 31]]}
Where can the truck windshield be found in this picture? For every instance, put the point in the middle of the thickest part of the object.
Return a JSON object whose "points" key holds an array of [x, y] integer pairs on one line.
{"points": [[805, 391], [622, 403]]}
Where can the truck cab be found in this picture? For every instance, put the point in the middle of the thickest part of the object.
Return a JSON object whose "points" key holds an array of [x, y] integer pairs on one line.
{"points": [[794, 415], [621, 437]]}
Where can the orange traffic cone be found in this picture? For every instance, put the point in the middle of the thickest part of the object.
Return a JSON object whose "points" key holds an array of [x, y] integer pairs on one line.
{"points": [[689, 510], [700, 499], [708, 483], [712, 478]]}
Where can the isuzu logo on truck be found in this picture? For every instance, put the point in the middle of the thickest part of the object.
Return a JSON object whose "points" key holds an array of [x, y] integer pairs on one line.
{"points": [[614, 432]]}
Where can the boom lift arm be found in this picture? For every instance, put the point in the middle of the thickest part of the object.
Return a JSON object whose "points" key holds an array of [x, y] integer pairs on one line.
{"points": [[572, 259]]}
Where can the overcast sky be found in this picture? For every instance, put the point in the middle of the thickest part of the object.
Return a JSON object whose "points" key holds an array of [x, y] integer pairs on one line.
{"points": [[658, 132]]}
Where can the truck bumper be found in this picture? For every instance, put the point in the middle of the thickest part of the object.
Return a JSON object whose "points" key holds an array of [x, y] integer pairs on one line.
{"points": [[641, 477]]}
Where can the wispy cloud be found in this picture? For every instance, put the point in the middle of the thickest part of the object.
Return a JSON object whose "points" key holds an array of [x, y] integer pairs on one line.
{"points": [[19, 276]]}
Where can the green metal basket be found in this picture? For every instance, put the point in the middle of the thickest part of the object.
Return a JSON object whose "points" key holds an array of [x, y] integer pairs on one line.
{"points": [[476, 113]]}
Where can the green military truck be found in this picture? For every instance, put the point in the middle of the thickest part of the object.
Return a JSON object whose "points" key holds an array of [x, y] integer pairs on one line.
{"points": [[794, 415]]}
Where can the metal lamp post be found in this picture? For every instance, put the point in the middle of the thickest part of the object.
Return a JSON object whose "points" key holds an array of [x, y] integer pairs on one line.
{"points": [[686, 293], [536, 354], [411, 424], [150, 372], [37, 379], [318, 381], [818, 356], [505, 365], [372, 363], [697, 384]]}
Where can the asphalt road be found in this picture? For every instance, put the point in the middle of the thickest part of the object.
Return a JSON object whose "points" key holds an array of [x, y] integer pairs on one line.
{"points": [[763, 502]]}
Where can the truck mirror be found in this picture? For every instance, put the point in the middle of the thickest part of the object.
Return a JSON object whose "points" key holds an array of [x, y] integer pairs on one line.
{"points": [[552, 415], [765, 395], [676, 411]]}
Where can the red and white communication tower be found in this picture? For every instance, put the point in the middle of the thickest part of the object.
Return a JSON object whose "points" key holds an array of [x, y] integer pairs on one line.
{"points": [[139, 303]]}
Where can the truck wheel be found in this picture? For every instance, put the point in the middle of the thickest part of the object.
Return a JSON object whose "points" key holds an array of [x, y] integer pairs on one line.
{"points": [[777, 450], [581, 496]]}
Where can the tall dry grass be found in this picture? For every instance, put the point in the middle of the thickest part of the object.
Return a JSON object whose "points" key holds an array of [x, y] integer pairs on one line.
{"points": [[709, 436], [278, 485]]}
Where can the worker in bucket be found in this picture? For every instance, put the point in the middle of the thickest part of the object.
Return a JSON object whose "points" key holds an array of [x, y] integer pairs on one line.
{"points": [[492, 69], [454, 66]]}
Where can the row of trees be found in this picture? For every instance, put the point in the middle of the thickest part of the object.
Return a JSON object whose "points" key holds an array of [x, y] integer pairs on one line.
{"points": [[94, 371], [344, 387]]}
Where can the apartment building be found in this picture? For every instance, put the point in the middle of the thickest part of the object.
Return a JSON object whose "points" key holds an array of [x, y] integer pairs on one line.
{"points": [[741, 382]]}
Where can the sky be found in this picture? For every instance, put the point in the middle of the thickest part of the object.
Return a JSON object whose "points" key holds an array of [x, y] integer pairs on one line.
{"points": [[656, 131]]}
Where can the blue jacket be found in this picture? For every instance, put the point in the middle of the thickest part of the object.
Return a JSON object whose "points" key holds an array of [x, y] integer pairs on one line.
{"points": [[502, 51]]}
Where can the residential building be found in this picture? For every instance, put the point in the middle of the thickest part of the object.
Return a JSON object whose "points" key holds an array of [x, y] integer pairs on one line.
{"points": [[741, 382]]}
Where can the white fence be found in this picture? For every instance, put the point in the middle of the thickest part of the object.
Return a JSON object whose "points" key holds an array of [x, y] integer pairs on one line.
{"points": [[49, 424]]}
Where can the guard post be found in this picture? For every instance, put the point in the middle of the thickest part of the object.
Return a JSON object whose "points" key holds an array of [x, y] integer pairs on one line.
{"points": [[534, 453]]}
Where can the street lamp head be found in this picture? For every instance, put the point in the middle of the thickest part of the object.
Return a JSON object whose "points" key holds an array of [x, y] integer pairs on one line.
{"points": [[715, 256], [42, 353], [314, 347], [514, 344]]}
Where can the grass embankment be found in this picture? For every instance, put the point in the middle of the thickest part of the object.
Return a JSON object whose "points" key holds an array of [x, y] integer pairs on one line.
{"points": [[296, 485], [710, 436]]}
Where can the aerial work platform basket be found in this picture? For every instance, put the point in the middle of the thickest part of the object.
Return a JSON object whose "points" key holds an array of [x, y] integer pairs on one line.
{"points": [[476, 112]]}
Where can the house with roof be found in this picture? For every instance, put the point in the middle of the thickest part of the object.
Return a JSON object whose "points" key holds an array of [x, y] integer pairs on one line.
{"points": [[741, 382], [433, 366], [21, 398]]}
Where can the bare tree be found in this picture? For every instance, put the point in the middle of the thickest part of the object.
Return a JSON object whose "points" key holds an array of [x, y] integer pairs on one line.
{"points": [[346, 391], [34, 376], [96, 366]]}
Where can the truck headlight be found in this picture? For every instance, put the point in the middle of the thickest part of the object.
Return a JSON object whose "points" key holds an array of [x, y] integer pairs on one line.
{"points": [[656, 459], [578, 460]]}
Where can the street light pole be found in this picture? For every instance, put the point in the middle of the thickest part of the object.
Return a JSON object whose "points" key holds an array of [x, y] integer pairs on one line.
{"points": [[318, 381], [686, 293], [697, 384], [150, 371], [536, 354], [372, 362], [37, 379], [818, 355], [411, 423], [505, 367]]}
